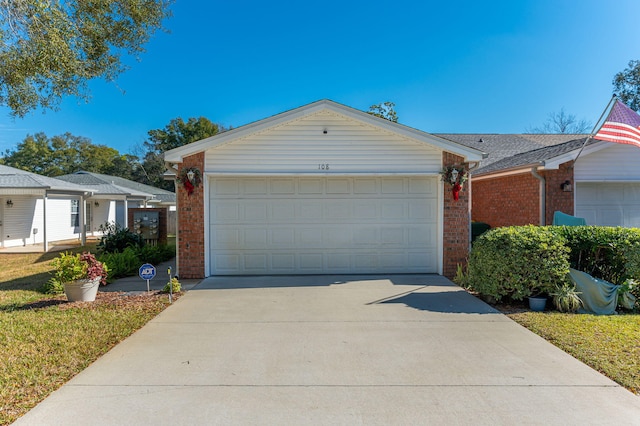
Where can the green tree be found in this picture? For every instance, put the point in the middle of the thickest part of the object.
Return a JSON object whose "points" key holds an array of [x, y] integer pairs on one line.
{"points": [[384, 110], [51, 49], [626, 84], [175, 134], [64, 154], [561, 122]]}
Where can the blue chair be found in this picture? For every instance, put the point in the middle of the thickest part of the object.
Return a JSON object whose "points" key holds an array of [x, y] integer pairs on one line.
{"points": [[560, 219]]}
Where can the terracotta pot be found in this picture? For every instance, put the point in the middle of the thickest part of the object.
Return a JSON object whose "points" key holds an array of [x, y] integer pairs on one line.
{"points": [[84, 290]]}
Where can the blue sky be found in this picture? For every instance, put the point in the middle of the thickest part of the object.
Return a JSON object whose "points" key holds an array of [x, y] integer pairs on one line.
{"points": [[450, 67]]}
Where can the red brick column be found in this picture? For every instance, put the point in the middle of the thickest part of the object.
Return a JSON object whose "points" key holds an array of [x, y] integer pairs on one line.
{"points": [[191, 229], [455, 223]]}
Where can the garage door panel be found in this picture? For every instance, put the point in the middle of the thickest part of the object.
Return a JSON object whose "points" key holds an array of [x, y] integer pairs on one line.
{"points": [[364, 186], [276, 225], [609, 203], [632, 218]]}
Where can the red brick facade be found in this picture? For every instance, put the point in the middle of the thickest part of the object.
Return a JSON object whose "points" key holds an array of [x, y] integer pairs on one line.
{"points": [[191, 228], [515, 200], [455, 223]]}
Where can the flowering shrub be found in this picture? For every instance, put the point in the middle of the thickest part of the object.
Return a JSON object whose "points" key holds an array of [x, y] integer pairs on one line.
{"points": [[70, 267]]}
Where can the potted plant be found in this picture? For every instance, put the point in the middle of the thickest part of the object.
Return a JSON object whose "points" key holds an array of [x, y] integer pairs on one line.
{"points": [[537, 302], [80, 275], [566, 298]]}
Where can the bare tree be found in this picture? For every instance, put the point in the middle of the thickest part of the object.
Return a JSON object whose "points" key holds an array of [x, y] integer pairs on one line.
{"points": [[561, 122]]}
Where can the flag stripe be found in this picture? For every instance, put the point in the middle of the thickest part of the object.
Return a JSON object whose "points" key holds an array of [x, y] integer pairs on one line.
{"points": [[619, 133], [621, 126]]}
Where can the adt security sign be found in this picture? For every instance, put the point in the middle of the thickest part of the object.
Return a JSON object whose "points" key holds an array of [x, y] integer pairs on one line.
{"points": [[147, 271]]}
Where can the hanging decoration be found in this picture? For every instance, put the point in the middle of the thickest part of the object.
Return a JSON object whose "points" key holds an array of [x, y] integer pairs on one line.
{"points": [[455, 175], [190, 179]]}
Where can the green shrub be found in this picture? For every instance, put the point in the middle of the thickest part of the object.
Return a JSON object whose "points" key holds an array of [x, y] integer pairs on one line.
{"points": [[124, 264], [608, 253], [116, 238], [172, 286], [517, 262], [156, 254]]}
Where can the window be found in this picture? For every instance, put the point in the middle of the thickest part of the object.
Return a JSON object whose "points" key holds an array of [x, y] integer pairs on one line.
{"points": [[75, 213]]}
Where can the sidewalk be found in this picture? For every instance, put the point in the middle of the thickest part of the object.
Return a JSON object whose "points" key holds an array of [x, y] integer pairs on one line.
{"points": [[135, 284]]}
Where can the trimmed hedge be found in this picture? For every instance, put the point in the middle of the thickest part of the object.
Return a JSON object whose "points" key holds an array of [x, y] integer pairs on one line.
{"points": [[520, 261], [608, 253], [517, 262]]}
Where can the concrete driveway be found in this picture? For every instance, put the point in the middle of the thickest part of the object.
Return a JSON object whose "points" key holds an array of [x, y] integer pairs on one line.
{"points": [[396, 350]]}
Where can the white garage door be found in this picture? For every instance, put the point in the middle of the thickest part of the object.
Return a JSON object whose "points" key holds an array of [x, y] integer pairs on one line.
{"points": [[317, 225], [609, 204]]}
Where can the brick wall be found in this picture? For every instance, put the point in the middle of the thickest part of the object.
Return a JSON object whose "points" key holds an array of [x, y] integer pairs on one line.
{"points": [[557, 199], [190, 238], [506, 201], [515, 200], [455, 224]]}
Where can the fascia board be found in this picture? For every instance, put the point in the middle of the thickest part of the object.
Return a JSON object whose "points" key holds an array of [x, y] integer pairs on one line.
{"points": [[508, 172]]}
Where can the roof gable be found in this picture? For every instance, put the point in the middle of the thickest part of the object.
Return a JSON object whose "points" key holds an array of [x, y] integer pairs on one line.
{"points": [[325, 106]]}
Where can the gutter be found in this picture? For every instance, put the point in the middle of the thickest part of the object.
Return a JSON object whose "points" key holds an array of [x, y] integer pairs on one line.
{"points": [[543, 195]]}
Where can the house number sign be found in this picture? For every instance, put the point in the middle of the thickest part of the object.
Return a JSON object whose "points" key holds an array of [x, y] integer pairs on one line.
{"points": [[323, 166]]}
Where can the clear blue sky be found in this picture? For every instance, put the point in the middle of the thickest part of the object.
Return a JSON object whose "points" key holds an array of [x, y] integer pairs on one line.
{"points": [[449, 66]]}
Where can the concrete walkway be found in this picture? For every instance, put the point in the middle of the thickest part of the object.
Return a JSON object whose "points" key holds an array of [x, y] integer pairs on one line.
{"points": [[330, 350]]}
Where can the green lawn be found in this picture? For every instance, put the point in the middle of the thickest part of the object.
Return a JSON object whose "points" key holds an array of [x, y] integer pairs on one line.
{"points": [[609, 344], [45, 341]]}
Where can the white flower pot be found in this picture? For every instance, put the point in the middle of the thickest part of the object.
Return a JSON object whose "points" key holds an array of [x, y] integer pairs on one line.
{"points": [[84, 290]]}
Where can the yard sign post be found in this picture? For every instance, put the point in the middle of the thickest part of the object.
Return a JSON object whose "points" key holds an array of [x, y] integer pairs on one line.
{"points": [[147, 272]]}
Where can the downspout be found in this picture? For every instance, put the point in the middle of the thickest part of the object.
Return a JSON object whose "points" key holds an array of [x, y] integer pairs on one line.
{"points": [[171, 167], [471, 168], [543, 195]]}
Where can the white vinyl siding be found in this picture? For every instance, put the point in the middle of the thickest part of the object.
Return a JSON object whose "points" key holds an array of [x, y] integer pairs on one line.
{"points": [[616, 162], [317, 225], [302, 147], [609, 203], [23, 224]]}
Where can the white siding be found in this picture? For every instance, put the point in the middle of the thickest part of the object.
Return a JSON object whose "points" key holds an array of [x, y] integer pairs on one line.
{"points": [[59, 221], [23, 224], [20, 219], [301, 147], [616, 162]]}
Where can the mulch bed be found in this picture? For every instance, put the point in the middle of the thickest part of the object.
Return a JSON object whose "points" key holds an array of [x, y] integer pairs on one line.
{"points": [[104, 298]]}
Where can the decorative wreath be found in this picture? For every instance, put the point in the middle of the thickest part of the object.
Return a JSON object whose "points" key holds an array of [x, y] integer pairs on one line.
{"points": [[190, 179], [455, 175]]}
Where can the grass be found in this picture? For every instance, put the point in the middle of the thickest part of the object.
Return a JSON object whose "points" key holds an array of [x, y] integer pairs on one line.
{"points": [[608, 344], [45, 341]]}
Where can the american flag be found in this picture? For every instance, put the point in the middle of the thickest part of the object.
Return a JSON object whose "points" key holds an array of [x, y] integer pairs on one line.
{"points": [[621, 126]]}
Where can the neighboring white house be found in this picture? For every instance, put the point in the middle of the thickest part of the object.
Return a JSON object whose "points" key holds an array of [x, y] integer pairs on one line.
{"points": [[113, 196], [35, 209]]}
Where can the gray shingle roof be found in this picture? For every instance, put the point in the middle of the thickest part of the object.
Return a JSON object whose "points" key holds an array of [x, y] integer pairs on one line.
{"points": [[533, 157], [499, 146], [114, 185], [11, 177]]}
